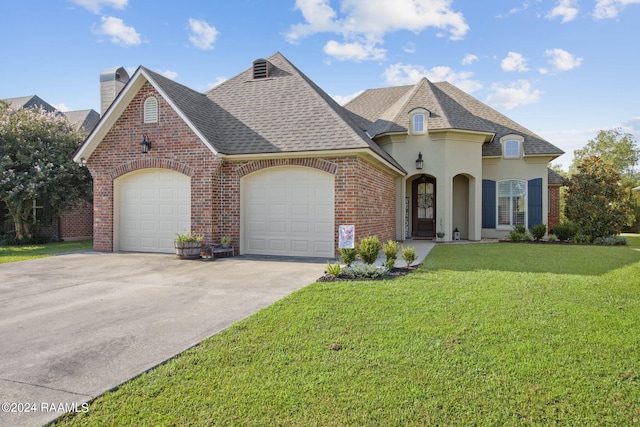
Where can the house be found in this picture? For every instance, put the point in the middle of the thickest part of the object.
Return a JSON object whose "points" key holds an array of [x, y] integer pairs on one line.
{"points": [[271, 160], [76, 223]]}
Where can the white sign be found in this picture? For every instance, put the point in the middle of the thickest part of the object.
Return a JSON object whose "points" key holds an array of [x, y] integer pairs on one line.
{"points": [[347, 235]]}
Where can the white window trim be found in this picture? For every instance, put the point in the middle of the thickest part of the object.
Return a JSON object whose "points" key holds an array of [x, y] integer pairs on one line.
{"points": [[151, 110], [508, 138], [425, 117], [526, 204]]}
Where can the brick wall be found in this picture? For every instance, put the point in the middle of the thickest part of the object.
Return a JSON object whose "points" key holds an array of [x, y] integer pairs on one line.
{"points": [[174, 146], [554, 207], [77, 223]]}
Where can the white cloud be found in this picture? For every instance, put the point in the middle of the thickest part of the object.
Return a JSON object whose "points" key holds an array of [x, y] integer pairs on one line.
{"points": [[562, 60], [514, 62], [119, 32], [168, 74], [354, 51], [469, 59], [343, 99], [514, 95], [401, 74], [410, 48], [367, 21], [217, 82], [202, 34], [566, 9], [611, 8], [61, 107], [96, 6]]}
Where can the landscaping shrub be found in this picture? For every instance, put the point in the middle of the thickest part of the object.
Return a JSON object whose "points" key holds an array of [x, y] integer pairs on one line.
{"points": [[611, 241], [520, 228], [409, 255], [390, 250], [565, 231], [365, 271], [538, 231], [519, 236], [580, 237], [348, 255], [369, 249], [552, 238], [333, 270]]}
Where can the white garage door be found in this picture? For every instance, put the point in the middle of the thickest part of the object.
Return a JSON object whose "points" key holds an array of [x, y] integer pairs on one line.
{"points": [[289, 211], [151, 207]]}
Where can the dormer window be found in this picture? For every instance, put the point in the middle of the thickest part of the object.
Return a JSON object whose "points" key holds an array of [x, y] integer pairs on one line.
{"points": [[418, 121], [512, 146], [151, 110]]}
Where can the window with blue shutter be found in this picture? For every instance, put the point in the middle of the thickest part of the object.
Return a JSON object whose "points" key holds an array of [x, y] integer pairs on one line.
{"points": [[488, 203], [535, 202]]}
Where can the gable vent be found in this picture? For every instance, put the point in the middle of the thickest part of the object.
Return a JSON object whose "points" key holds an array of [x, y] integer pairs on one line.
{"points": [[261, 68]]}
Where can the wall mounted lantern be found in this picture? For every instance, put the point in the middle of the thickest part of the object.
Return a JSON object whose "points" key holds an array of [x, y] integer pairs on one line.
{"points": [[419, 161], [145, 145], [83, 162]]}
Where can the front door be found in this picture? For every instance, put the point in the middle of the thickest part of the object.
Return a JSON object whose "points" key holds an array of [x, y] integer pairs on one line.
{"points": [[424, 207]]}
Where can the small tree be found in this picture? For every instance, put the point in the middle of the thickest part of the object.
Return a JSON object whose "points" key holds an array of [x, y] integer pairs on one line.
{"points": [[596, 201], [36, 151]]}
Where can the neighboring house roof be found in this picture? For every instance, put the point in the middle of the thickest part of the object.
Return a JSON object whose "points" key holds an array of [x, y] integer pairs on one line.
{"points": [[386, 110], [554, 178], [84, 120]]}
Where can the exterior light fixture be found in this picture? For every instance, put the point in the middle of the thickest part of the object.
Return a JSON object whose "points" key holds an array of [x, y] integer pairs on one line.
{"points": [[145, 145], [83, 162], [419, 161]]}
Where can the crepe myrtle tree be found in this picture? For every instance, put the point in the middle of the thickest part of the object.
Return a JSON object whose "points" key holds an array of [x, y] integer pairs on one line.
{"points": [[596, 201], [36, 151]]}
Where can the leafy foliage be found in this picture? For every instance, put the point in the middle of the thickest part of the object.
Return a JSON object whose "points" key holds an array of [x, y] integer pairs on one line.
{"points": [[390, 250], [188, 237], [36, 151], [334, 269], [611, 241], [348, 255], [365, 271], [409, 255], [565, 230], [369, 249], [612, 146], [595, 200], [538, 231]]}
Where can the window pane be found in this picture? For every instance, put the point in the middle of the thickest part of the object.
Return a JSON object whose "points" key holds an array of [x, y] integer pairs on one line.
{"points": [[512, 201], [418, 123], [512, 148]]}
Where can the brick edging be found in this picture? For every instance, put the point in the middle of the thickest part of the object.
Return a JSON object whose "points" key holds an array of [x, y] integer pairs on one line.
{"points": [[152, 162]]}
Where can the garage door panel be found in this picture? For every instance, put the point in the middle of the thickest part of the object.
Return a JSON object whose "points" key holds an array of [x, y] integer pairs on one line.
{"points": [[296, 218], [153, 205]]}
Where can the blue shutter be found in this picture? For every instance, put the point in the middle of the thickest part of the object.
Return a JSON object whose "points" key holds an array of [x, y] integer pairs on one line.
{"points": [[488, 203], [535, 202]]}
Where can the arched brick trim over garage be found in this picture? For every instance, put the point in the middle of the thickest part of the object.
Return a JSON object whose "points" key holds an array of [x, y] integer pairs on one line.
{"points": [[150, 163], [320, 164]]}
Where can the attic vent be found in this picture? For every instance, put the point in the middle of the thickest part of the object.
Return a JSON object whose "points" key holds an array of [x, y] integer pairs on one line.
{"points": [[261, 68], [151, 110]]}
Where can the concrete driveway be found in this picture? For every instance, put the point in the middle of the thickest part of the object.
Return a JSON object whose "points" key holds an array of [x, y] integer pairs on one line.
{"points": [[77, 325]]}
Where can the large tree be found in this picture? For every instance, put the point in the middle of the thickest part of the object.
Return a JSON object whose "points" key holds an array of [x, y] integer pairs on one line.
{"points": [[596, 201], [612, 146], [36, 151]]}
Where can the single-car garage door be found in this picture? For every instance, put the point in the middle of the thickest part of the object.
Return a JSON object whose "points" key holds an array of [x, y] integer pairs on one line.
{"points": [[288, 211], [151, 206]]}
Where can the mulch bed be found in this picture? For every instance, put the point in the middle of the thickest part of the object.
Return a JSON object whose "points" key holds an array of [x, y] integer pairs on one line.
{"points": [[392, 274]]}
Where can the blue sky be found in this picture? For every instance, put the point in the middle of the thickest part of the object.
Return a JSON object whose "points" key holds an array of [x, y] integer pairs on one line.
{"points": [[563, 68]]}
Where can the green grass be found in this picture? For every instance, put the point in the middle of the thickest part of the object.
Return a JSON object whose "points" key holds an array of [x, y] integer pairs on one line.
{"points": [[27, 252], [483, 334]]}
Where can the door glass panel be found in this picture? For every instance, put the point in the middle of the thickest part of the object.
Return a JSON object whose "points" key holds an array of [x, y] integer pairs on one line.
{"points": [[425, 200]]}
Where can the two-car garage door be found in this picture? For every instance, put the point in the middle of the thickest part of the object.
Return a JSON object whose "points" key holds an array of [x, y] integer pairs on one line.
{"points": [[288, 211]]}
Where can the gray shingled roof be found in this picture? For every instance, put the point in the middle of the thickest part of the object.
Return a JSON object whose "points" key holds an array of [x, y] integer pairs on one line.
{"points": [[29, 101], [554, 178], [84, 120], [386, 110]]}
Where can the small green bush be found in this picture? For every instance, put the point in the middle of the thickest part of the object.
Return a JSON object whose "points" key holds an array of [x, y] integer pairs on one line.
{"points": [[365, 271], [538, 231], [348, 255], [517, 236], [565, 231], [580, 237], [188, 237], [369, 249], [390, 250], [520, 228], [552, 238], [333, 270], [409, 255]]}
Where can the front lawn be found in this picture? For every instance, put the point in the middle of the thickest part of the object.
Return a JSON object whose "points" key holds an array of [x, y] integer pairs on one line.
{"points": [[482, 334], [26, 252]]}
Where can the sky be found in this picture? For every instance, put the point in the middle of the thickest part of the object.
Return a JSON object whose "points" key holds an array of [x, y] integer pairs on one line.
{"points": [[564, 69]]}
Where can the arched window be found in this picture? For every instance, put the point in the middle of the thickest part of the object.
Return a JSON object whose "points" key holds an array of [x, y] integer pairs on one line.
{"points": [[418, 121], [151, 110]]}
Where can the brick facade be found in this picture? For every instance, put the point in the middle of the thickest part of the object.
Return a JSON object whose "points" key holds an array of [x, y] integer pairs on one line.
{"points": [[554, 207], [364, 193]]}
